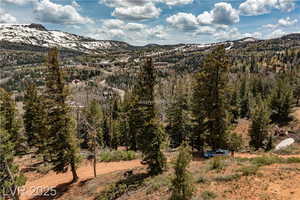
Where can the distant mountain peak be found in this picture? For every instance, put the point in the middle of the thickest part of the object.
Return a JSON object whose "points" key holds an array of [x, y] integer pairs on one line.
{"points": [[37, 26], [38, 35]]}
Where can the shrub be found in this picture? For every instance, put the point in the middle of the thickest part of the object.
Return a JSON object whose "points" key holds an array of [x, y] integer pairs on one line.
{"points": [[117, 155], [207, 195], [182, 186], [217, 163], [249, 170]]}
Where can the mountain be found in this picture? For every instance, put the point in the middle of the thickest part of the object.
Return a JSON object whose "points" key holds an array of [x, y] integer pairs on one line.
{"points": [[37, 35]]}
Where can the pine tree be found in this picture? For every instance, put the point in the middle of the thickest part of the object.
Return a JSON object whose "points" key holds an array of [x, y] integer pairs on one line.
{"points": [[210, 98], [10, 177], [35, 117], [260, 124], [176, 127], [182, 187], [94, 118], [235, 142], [31, 114], [149, 136], [12, 124], [244, 98], [281, 100], [63, 143]]}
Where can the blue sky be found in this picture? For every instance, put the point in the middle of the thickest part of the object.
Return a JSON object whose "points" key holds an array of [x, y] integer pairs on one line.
{"points": [[140, 22]]}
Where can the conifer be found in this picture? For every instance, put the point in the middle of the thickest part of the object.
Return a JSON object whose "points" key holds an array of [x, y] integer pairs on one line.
{"points": [[182, 187], [63, 144]]}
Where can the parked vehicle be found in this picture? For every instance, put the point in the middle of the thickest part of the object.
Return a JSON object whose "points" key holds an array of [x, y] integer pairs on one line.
{"points": [[218, 152]]}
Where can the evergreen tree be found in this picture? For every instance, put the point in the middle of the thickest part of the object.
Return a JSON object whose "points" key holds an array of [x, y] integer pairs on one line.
{"points": [[148, 134], [281, 100], [235, 142], [33, 116], [94, 118], [63, 143], [10, 177], [11, 124], [260, 124], [182, 187], [210, 98], [176, 127], [105, 131], [244, 98]]}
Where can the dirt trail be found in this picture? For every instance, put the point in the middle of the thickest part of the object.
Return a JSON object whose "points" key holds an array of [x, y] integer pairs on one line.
{"points": [[84, 172]]}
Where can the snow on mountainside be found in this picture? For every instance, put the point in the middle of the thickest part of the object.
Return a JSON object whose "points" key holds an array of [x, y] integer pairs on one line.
{"points": [[36, 34]]}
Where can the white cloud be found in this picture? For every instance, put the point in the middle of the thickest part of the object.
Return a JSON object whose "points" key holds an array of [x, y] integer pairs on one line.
{"points": [[277, 33], [259, 7], [223, 13], [284, 22], [158, 33], [254, 35], [75, 4], [18, 2], [113, 24], [183, 21], [234, 34], [124, 3], [127, 3], [177, 2], [6, 17], [205, 30], [49, 12], [134, 27], [146, 11], [287, 21], [205, 18]]}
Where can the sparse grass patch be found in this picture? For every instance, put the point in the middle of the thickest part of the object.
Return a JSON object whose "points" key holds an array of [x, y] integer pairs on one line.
{"points": [[155, 183], [208, 195], [44, 168], [116, 190], [288, 150], [266, 160], [201, 180], [227, 178], [117, 155], [249, 170], [217, 163]]}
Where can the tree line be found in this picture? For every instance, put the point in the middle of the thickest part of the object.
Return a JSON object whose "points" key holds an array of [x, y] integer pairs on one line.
{"points": [[201, 116]]}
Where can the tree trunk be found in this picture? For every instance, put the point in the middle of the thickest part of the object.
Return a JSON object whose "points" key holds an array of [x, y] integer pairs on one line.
{"points": [[74, 173], [95, 163]]}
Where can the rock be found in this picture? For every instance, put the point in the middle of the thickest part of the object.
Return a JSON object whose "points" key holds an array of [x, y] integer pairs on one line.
{"points": [[285, 143]]}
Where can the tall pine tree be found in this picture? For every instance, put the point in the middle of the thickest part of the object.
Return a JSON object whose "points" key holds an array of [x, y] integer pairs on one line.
{"points": [[63, 143], [149, 136], [211, 99], [260, 124], [10, 177]]}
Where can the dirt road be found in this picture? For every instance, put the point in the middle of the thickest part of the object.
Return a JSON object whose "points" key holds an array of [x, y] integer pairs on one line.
{"points": [[85, 172]]}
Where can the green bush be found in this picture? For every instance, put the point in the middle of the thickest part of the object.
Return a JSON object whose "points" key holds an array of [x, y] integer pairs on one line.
{"points": [[217, 163], [117, 155], [249, 170]]}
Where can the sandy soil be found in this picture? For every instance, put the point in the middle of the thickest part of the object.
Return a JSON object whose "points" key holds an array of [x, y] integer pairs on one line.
{"points": [[85, 172]]}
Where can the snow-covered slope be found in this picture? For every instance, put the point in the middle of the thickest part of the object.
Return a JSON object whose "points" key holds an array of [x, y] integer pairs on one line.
{"points": [[35, 34]]}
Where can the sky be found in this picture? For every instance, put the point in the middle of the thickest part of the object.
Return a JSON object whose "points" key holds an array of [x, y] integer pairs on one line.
{"points": [[141, 22]]}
